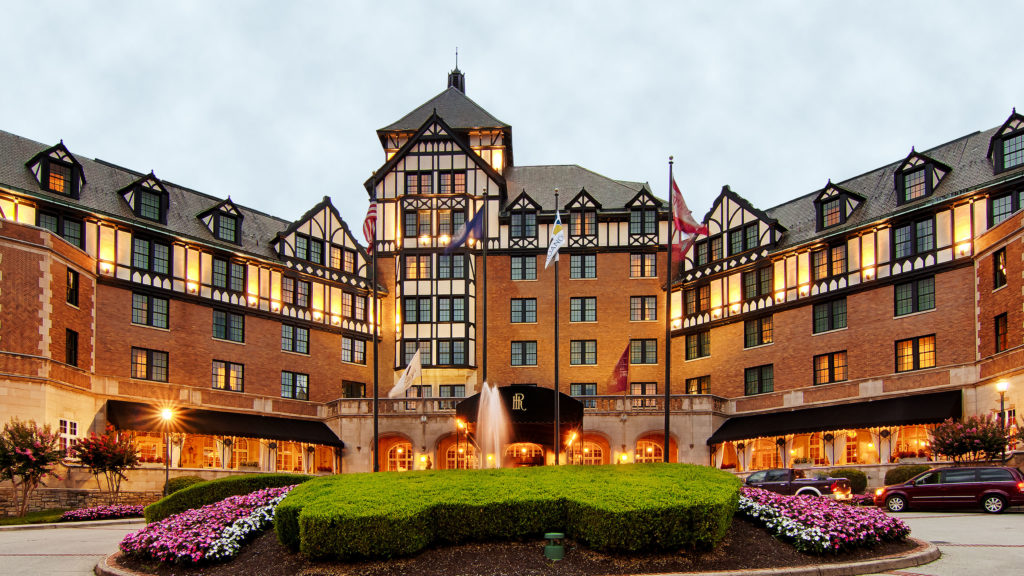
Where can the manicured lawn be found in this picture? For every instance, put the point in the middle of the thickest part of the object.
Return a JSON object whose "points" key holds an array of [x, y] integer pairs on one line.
{"points": [[41, 517]]}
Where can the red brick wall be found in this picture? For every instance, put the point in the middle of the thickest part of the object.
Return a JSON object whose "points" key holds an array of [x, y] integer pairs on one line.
{"points": [[1006, 299]]}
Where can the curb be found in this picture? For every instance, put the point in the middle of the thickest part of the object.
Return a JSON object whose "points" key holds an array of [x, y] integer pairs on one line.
{"points": [[80, 524], [924, 553]]}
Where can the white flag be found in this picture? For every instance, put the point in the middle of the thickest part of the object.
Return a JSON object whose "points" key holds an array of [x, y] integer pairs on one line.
{"points": [[557, 239], [411, 374]]}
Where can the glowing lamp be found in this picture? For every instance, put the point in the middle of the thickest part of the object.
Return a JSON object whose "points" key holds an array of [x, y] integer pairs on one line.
{"points": [[400, 450], [106, 267], [1002, 386], [444, 239], [868, 273], [253, 300], [805, 290], [677, 323], [780, 297], [734, 308], [716, 313], [523, 450], [624, 457], [424, 240], [275, 305], [461, 450], [193, 287], [963, 249], [423, 459], [335, 319], [650, 449], [317, 315], [167, 414]]}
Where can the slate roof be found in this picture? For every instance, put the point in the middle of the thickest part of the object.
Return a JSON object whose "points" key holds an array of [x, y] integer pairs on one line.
{"points": [[540, 183], [457, 109], [100, 195]]}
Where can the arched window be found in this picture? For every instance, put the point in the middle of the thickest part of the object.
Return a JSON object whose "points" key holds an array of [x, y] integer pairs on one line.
{"points": [[525, 454], [400, 457], [462, 456], [648, 451], [289, 457], [587, 454]]}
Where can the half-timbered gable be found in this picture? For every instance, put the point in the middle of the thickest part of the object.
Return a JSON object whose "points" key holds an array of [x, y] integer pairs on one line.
{"points": [[58, 171], [521, 223], [582, 211], [1006, 147]]}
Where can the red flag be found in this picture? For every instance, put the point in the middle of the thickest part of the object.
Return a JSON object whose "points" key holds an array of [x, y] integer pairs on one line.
{"points": [[682, 216], [370, 226], [619, 381]]}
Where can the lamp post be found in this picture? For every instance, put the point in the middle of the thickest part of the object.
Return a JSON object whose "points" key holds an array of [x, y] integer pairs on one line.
{"points": [[459, 425], [1001, 387], [167, 415]]}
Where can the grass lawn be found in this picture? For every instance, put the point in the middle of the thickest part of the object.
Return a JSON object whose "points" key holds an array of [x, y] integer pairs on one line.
{"points": [[41, 517]]}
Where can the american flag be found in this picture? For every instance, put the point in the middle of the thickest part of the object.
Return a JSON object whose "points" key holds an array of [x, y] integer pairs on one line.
{"points": [[370, 226]]}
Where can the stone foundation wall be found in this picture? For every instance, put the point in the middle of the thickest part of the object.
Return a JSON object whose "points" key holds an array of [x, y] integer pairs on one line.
{"points": [[48, 498]]}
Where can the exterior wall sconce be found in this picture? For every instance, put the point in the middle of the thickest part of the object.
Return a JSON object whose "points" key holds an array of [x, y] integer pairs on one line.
{"points": [[335, 319], [275, 305], [192, 287], [716, 313], [677, 323], [106, 267], [317, 315], [963, 249], [424, 240], [734, 308], [780, 297], [805, 290], [253, 300], [444, 239], [868, 273]]}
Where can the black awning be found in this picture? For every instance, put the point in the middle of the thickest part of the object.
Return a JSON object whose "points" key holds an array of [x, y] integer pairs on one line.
{"points": [[139, 416], [531, 410], [917, 409]]}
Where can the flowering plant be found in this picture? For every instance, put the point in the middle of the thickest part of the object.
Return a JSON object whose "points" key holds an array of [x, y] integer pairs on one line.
{"points": [[103, 513], [109, 455], [213, 532], [976, 438], [819, 525], [28, 455]]}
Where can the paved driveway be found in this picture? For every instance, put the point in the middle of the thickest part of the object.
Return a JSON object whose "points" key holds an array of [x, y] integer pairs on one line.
{"points": [[970, 542], [59, 551]]}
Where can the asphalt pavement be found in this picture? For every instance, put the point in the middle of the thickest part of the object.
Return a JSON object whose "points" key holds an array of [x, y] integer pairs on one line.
{"points": [[63, 550]]}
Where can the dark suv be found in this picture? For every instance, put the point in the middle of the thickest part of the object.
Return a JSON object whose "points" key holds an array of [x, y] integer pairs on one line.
{"points": [[993, 488]]}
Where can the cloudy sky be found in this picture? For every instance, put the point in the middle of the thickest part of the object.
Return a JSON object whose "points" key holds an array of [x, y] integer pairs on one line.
{"points": [[276, 103]]}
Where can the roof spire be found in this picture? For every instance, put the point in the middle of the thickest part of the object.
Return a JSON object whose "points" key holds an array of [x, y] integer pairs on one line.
{"points": [[456, 79]]}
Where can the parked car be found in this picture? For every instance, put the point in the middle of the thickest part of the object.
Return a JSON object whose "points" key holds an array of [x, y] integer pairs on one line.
{"points": [[793, 481], [993, 488]]}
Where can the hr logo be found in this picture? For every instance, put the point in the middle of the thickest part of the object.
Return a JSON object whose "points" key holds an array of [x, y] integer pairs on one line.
{"points": [[517, 401]]}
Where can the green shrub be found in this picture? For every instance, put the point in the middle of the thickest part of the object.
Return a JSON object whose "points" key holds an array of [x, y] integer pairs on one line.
{"points": [[626, 508], [858, 480], [204, 493], [182, 482], [901, 474]]}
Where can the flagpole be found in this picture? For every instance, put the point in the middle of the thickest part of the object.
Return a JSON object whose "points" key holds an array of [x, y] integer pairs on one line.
{"points": [[668, 315], [484, 274], [558, 419], [376, 348]]}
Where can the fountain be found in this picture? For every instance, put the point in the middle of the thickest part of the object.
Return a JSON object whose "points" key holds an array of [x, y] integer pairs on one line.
{"points": [[492, 427]]}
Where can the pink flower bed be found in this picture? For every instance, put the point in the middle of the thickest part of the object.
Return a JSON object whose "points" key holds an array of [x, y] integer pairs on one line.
{"points": [[213, 532], [102, 513], [820, 525]]}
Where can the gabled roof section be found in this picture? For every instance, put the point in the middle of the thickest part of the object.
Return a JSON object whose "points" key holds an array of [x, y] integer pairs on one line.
{"points": [[523, 202], [583, 201], [149, 182], [225, 207], [832, 190], [644, 198], [433, 119], [316, 209], [58, 152], [1014, 123], [727, 193], [457, 109], [541, 181], [916, 160]]}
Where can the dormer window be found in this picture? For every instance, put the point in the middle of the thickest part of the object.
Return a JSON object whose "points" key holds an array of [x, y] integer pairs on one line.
{"points": [[743, 239], [148, 205], [147, 198], [225, 221], [1006, 149], [57, 171], [226, 227], [834, 205], [59, 177], [914, 185], [918, 176], [1013, 151]]}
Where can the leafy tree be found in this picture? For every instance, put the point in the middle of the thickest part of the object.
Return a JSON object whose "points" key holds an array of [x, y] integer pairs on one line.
{"points": [[110, 455], [28, 454], [976, 438]]}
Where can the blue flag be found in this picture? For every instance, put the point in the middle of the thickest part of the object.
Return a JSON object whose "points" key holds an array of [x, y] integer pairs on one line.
{"points": [[474, 228]]}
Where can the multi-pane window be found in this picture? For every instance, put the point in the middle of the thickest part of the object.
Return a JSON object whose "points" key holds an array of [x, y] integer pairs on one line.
{"points": [[698, 385], [353, 350], [228, 275], [72, 288], [451, 352], [417, 267], [743, 239], [831, 212], [418, 182], [68, 430], [830, 368], [716, 248], [449, 222], [228, 326], [524, 267], [643, 351], [1001, 326], [409, 348], [451, 308], [151, 255], [148, 205], [228, 376], [757, 332], [360, 308], [759, 380], [915, 353], [829, 262], [524, 353], [914, 296], [294, 339], [644, 389], [757, 283], [584, 389], [67, 228], [582, 352], [411, 221], [451, 182], [524, 310], [914, 185], [295, 292], [1013, 151], [1001, 207], [71, 347], [294, 385], [698, 299], [347, 300], [226, 227], [416, 310], [451, 266], [149, 364], [353, 389], [307, 248], [523, 224], [643, 265], [830, 315], [643, 308], [914, 238], [583, 266], [583, 309], [59, 179], [583, 223], [450, 391], [698, 345], [643, 221], [149, 310], [700, 253], [999, 268]]}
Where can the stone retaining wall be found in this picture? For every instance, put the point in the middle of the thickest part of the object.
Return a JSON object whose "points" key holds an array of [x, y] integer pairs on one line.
{"points": [[48, 498]]}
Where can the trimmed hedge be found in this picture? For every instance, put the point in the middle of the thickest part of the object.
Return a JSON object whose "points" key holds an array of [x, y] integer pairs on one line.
{"points": [[858, 480], [199, 495], [901, 474], [624, 508], [182, 482]]}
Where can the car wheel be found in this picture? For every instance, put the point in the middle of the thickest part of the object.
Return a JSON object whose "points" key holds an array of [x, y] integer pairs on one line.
{"points": [[896, 503], [993, 504]]}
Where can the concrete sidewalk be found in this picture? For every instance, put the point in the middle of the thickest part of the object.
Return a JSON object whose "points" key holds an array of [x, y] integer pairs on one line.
{"points": [[60, 549]]}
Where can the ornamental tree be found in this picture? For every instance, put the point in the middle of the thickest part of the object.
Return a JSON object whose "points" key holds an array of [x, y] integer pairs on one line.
{"points": [[976, 438], [28, 455], [109, 455]]}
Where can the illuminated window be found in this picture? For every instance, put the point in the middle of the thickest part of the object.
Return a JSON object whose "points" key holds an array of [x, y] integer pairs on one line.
{"points": [[399, 457], [648, 451], [757, 332], [228, 376], [831, 212], [461, 455], [643, 265], [999, 269], [418, 182], [644, 389], [586, 454], [698, 385], [72, 288], [417, 267], [914, 185], [452, 182], [830, 368], [829, 262], [915, 353], [59, 180], [149, 364], [583, 223]]}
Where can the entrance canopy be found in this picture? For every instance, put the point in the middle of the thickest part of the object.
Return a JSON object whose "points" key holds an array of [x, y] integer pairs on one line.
{"points": [[126, 415], [531, 410], [918, 409]]}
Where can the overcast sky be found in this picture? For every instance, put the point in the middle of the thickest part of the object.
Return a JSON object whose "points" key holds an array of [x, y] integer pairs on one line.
{"points": [[276, 103]]}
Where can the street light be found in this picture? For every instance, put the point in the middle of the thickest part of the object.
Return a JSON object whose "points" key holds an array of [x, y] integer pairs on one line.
{"points": [[1001, 387], [167, 415], [459, 425]]}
